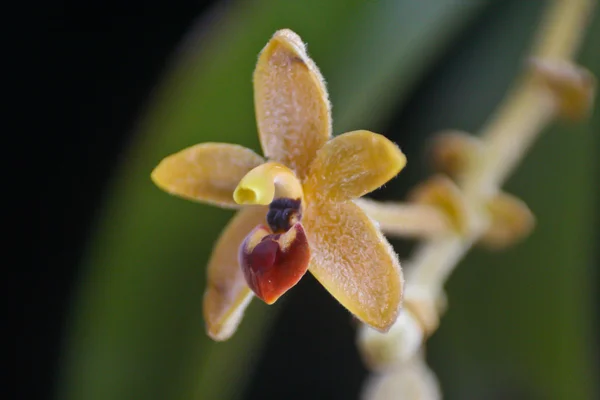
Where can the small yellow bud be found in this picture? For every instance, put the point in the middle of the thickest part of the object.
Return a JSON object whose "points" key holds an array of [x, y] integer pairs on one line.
{"points": [[441, 192], [453, 152], [572, 86], [511, 221]]}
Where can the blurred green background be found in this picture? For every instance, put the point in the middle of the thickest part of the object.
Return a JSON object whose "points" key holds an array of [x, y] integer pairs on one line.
{"points": [[521, 324]]}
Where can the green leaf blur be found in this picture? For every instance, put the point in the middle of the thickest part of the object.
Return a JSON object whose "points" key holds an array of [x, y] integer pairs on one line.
{"points": [[137, 329]]}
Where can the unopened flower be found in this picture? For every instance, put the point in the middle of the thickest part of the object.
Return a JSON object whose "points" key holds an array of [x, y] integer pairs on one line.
{"points": [[298, 212], [510, 221], [572, 86], [453, 152]]}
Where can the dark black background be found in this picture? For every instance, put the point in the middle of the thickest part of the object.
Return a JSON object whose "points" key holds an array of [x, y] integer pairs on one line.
{"points": [[84, 72]]}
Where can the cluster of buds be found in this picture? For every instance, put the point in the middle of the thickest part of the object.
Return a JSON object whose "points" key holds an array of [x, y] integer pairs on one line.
{"points": [[464, 206]]}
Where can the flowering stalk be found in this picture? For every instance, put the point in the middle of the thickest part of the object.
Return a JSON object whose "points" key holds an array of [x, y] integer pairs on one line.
{"points": [[552, 87], [407, 220]]}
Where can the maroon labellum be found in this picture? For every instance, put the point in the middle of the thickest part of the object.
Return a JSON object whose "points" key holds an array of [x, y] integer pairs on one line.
{"points": [[274, 262]]}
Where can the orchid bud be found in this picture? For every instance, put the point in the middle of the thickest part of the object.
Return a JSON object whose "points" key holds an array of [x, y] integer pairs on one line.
{"points": [[454, 152], [441, 192], [572, 86], [511, 221]]}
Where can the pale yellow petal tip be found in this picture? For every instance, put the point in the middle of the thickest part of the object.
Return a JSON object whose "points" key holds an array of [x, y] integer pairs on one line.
{"points": [[222, 318], [157, 176], [400, 161], [166, 172], [387, 152], [289, 36], [511, 222], [164, 176], [572, 86], [397, 157], [384, 323], [453, 152], [287, 39], [389, 157]]}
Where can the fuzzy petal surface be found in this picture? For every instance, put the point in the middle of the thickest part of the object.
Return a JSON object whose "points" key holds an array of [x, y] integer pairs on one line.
{"points": [[352, 165], [206, 172], [292, 105], [227, 294], [354, 262]]}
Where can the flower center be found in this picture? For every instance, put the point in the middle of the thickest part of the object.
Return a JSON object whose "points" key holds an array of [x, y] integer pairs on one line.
{"points": [[273, 258]]}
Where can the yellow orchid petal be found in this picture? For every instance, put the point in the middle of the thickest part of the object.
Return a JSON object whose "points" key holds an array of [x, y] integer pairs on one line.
{"points": [[352, 165], [207, 172], [291, 101], [227, 294], [354, 262]]}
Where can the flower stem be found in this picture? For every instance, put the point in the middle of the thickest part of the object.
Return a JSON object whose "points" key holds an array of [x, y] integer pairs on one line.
{"points": [[505, 139], [407, 219]]}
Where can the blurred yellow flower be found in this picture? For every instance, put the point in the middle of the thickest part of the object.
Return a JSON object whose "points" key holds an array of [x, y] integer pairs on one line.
{"points": [[298, 211]]}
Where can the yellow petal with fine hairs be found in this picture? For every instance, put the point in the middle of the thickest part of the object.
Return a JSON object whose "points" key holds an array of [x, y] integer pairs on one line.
{"points": [[354, 262], [292, 106], [227, 295], [207, 172], [352, 165]]}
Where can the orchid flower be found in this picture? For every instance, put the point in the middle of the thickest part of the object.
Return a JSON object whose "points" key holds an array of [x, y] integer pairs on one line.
{"points": [[296, 205]]}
